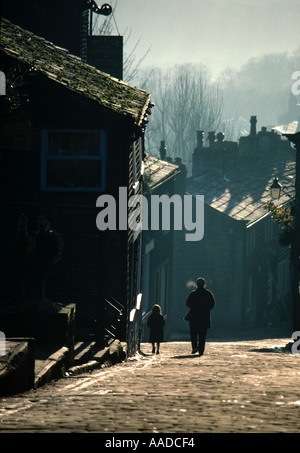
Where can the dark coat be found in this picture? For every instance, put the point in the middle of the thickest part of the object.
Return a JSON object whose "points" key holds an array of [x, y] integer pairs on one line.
{"points": [[156, 324], [200, 302]]}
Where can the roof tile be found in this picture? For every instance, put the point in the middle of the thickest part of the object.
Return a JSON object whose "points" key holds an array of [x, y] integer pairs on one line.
{"points": [[59, 65]]}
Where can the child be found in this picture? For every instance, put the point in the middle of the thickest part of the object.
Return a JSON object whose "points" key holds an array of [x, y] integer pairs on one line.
{"points": [[156, 324]]}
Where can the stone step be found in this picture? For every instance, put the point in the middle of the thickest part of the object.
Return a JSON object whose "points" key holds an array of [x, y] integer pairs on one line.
{"points": [[114, 352], [83, 352]]}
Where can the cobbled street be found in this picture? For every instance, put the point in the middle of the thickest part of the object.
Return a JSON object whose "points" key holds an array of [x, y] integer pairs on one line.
{"points": [[236, 387]]}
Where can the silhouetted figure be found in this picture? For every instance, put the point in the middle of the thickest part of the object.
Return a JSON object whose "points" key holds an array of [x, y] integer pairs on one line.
{"points": [[200, 302], [156, 325]]}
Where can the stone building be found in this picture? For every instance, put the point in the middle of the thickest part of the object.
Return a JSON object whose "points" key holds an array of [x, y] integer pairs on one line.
{"points": [[70, 133], [239, 256], [163, 177]]}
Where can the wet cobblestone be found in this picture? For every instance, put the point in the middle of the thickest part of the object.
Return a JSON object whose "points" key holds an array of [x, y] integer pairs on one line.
{"points": [[236, 387]]}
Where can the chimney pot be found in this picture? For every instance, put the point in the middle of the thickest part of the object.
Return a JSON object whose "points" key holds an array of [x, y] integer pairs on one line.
{"points": [[163, 150], [211, 138], [200, 139], [253, 122]]}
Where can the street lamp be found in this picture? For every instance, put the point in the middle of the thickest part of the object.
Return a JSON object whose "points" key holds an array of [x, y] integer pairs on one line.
{"points": [[275, 189]]}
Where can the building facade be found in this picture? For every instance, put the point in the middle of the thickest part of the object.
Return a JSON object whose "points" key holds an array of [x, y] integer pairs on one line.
{"points": [[69, 134], [239, 256], [163, 178]]}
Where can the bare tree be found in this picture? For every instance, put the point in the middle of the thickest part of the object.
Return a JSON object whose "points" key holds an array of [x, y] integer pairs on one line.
{"points": [[185, 101], [181, 109], [261, 87], [160, 84]]}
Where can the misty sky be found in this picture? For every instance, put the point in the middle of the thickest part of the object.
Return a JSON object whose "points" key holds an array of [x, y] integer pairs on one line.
{"points": [[217, 33]]}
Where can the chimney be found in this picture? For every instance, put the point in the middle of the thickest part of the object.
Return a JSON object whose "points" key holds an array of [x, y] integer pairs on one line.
{"points": [[220, 138], [200, 139], [211, 139], [163, 150], [180, 180], [106, 54], [198, 154], [253, 122]]}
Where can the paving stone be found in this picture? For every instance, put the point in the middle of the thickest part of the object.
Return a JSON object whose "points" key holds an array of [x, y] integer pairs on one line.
{"points": [[236, 387]]}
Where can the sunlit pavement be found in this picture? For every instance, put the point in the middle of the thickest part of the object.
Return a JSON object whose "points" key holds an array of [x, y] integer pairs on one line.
{"points": [[236, 387]]}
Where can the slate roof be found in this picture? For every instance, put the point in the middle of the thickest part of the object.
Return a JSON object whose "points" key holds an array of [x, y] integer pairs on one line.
{"points": [[69, 70], [158, 171], [245, 188], [290, 128]]}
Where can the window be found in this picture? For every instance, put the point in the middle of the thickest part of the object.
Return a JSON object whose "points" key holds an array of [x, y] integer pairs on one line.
{"points": [[73, 160]]}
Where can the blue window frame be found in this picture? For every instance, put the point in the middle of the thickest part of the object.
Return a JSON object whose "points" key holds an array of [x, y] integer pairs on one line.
{"points": [[73, 160]]}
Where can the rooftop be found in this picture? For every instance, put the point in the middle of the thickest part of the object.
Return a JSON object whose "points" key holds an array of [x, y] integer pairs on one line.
{"points": [[71, 71], [158, 171], [244, 190]]}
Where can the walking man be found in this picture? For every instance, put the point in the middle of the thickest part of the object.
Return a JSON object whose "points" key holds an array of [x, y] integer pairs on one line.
{"points": [[200, 302]]}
